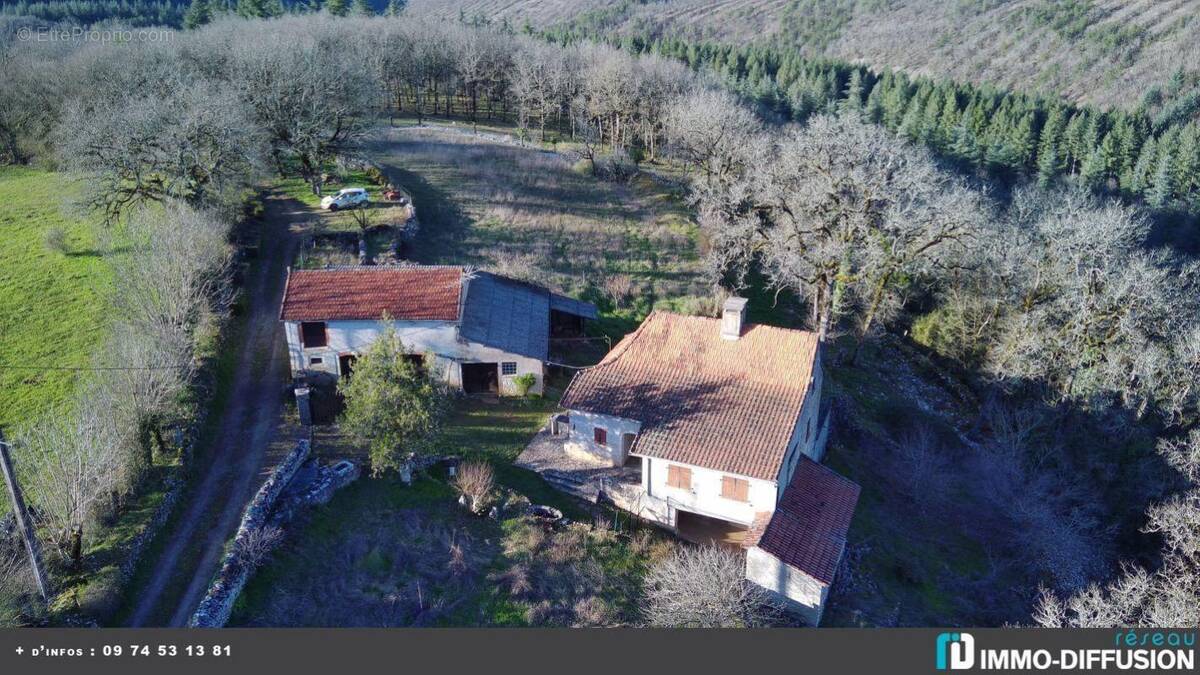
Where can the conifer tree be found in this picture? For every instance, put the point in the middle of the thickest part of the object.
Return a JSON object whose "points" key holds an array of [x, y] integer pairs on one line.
{"points": [[1091, 171], [1162, 186], [1021, 141], [337, 7], [198, 13], [874, 110], [910, 125], [853, 100], [1047, 166], [1142, 171], [1187, 162]]}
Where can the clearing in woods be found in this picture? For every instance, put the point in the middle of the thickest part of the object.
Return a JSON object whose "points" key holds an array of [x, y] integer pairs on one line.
{"points": [[538, 215]]}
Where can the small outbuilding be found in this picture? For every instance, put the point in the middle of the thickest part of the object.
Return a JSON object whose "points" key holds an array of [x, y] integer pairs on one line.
{"points": [[475, 330], [794, 553]]}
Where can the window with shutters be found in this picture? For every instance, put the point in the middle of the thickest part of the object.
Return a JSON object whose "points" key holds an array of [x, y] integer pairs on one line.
{"points": [[737, 489], [312, 334], [600, 436], [679, 477]]}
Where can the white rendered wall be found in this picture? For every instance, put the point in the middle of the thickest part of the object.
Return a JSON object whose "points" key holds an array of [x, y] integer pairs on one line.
{"points": [[704, 497], [798, 591], [581, 439], [418, 337]]}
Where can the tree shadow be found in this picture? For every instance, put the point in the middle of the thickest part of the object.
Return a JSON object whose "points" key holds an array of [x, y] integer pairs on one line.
{"points": [[1040, 492], [444, 226], [98, 252]]}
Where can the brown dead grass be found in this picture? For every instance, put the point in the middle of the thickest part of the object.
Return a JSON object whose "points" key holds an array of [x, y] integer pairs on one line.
{"points": [[528, 213]]}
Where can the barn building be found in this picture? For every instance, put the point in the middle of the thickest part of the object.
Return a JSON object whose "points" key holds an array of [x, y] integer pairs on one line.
{"points": [[475, 330]]}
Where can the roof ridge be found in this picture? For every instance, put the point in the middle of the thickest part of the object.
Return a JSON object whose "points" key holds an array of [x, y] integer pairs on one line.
{"points": [[379, 268], [687, 386], [287, 279], [613, 354]]}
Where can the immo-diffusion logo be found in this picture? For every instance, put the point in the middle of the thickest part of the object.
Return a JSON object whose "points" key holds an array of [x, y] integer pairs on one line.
{"points": [[1131, 650], [955, 651]]}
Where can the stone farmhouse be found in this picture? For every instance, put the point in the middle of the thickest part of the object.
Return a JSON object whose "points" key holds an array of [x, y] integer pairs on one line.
{"points": [[475, 330], [713, 428]]}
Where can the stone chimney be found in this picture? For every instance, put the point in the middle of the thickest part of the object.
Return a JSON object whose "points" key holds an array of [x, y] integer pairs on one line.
{"points": [[733, 317]]}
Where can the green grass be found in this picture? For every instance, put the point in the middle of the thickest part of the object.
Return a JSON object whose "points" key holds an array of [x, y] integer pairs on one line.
{"points": [[53, 305], [297, 188], [54, 308], [389, 541], [498, 431]]}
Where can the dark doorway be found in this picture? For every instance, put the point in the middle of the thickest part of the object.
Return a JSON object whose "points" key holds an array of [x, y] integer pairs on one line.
{"points": [[705, 531], [480, 378], [346, 365], [564, 325]]}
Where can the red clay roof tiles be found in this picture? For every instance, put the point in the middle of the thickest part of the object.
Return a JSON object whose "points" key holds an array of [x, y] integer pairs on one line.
{"points": [[426, 293], [727, 405], [809, 526]]}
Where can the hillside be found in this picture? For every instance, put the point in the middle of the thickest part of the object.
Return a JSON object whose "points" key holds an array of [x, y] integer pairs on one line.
{"points": [[1102, 52]]}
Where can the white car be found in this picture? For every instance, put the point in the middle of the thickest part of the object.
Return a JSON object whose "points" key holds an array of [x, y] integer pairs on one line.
{"points": [[345, 199]]}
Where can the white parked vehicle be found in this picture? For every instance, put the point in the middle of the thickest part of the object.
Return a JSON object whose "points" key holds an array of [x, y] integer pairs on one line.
{"points": [[345, 199]]}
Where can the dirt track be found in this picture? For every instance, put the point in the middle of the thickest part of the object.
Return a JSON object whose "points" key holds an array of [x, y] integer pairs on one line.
{"points": [[234, 462]]}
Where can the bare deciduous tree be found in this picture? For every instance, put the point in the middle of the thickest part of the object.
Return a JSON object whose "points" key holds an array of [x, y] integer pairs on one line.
{"points": [[1087, 309], [176, 275], [475, 480], [844, 214], [254, 546], [1168, 596], [69, 460], [305, 86], [711, 132], [705, 587], [189, 141]]}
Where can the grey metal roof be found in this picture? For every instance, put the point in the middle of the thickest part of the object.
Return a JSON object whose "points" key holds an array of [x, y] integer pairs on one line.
{"points": [[508, 315], [572, 306]]}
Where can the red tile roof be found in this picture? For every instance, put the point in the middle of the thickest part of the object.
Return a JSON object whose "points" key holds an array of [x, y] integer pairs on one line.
{"points": [[727, 405], [412, 293], [808, 528]]}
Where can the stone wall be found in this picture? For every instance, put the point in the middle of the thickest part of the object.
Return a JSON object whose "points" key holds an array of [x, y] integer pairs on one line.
{"points": [[218, 602]]}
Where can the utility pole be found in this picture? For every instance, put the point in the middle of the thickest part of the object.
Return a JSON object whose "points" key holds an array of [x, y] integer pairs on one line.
{"points": [[22, 516]]}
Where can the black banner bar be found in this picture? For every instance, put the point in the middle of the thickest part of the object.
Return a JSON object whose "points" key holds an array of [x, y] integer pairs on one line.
{"points": [[611, 651]]}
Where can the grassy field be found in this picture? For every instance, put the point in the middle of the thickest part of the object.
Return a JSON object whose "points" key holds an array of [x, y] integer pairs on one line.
{"points": [[52, 302], [535, 214], [385, 554]]}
